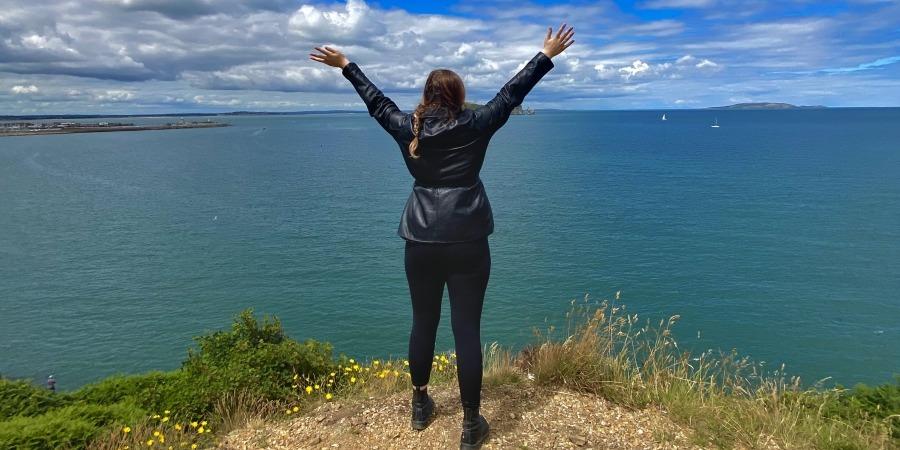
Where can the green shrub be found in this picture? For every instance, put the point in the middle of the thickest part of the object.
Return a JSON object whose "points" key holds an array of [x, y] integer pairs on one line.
{"points": [[154, 391], [868, 402], [23, 398], [67, 427], [252, 356]]}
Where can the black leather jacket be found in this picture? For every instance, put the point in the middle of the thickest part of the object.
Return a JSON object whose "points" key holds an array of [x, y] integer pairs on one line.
{"points": [[448, 202]]}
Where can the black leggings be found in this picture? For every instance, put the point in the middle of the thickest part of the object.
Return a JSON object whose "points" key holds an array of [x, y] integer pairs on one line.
{"points": [[465, 268]]}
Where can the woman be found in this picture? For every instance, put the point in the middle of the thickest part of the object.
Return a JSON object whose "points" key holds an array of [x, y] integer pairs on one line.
{"points": [[447, 217]]}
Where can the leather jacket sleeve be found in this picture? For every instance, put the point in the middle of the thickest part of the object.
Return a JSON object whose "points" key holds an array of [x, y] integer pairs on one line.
{"points": [[382, 108], [495, 113]]}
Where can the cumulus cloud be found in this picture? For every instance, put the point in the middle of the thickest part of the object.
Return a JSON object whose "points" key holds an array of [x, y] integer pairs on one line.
{"points": [[637, 67], [356, 22], [161, 54], [23, 90], [114, 95], [669, 4]]}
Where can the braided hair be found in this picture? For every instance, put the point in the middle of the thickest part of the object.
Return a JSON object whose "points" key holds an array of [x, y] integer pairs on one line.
{"points": [[444, 92]]}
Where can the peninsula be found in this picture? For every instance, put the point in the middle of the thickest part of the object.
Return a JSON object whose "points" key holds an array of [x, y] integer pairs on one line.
{"points": [[43, 128], [518, 110]]}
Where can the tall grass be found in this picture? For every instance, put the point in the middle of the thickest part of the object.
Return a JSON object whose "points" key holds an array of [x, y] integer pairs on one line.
{"points": [[726, 399]]}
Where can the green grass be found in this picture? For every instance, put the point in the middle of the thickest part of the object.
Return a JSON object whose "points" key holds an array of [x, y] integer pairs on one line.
{"points": [[727, 400]]}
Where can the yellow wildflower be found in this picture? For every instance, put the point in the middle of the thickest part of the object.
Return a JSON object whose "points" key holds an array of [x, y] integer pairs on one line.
{"points": [[288, 411], [203, 423], [167, 412], [352, 361], [200, 430], [149, 442], [165, 419], [376, 362], [308, 390], [328, 396], [155, 432], [316, 387], [396, 373], [353, 379], [178, 426], [194, 424], [155, 416], [406, 362], [332, 374], [193, 446], [126, 430], [295, 409], [296, 376]]}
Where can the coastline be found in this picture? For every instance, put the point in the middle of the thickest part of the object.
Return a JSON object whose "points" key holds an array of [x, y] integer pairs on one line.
{"points": [[97, 129]]}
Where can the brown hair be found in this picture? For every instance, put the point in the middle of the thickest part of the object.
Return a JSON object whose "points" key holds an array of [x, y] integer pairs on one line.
{"points": [[444, 90]]}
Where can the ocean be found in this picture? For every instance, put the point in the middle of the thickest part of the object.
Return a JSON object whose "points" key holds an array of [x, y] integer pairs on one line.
{"points": [[777, 234]]}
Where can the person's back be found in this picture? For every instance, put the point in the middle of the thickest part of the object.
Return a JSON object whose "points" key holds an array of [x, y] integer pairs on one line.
{"points": [[444, 147], [447, 217]]}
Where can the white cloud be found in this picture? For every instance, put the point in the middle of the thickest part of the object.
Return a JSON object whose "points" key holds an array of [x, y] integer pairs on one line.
{"points": [[24, 90], [669, 4], [123, 54], [114, 96], [355, 23], [636, 68]]}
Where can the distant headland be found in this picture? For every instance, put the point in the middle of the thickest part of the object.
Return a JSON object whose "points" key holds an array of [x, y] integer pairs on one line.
{"points": [[766, 105], [518, 110], [42, 128]]}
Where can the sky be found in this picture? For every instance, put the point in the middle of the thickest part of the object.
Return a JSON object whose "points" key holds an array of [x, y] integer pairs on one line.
{"points": [[170, 56]]}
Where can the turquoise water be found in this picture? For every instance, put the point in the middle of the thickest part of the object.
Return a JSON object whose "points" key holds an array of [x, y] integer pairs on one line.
{"points": [[777, 234]]}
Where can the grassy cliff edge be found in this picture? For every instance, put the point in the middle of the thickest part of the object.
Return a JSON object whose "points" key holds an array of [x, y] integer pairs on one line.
{"points": [[604, 379]]}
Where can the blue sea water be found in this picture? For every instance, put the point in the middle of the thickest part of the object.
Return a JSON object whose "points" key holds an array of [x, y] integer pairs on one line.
{"points": [[777, 234]]}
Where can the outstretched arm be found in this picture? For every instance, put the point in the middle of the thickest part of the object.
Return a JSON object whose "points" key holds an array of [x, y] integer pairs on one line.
{"points": [[496, 112], [382, 108]]}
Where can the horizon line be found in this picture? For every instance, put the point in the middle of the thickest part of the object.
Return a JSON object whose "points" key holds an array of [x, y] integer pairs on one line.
{"points": [[332, 111]]}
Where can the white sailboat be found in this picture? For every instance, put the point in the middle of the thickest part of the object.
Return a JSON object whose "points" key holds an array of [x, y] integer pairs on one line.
{"points": [[715, 124], [664, 117]]}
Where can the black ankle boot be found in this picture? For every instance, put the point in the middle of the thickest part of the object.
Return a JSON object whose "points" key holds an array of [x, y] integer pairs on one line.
{"points": [[422, 409], [475, 429]]}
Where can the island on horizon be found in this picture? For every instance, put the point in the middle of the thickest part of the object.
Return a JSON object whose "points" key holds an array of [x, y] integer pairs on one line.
{"points": [[766, 105]]}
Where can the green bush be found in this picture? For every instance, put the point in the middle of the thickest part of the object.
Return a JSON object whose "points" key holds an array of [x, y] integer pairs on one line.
{"points": [[154, 391], [71, 426], [868, 402], [22, 398], [254, 356]]}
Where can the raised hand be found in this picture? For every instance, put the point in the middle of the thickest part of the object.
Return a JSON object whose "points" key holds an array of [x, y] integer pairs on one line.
{"points": [[330, 56], [554, 45]]}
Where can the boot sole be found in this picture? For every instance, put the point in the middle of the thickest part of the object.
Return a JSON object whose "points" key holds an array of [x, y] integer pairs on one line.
{"points": [[477, 445], [420, 425]]}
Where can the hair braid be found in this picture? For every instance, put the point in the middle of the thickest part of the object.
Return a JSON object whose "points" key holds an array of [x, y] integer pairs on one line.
{"points": [[444, 94], [417, 126]]}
